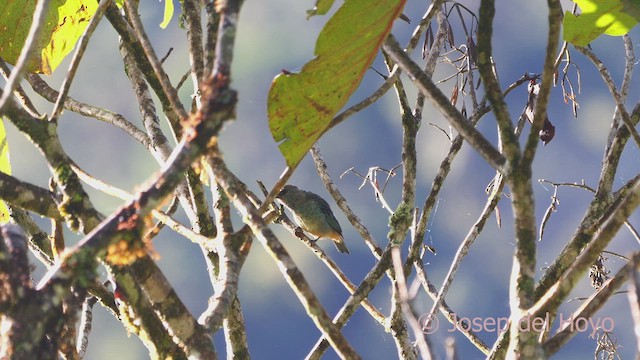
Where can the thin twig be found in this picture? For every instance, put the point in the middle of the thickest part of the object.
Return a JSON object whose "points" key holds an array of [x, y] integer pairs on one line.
{"points": [[617, 97], [553, 207], [349, 308], [441, 102], [19, 91], [191, 12], [509, 146], [43, 89], [85, 326], [333, 267], [127, 36], [289, 270], [141, 35], [126, 196], [592, 305], [548, 72], [615, 217], [321, 167], [77, 57], [584, 186], [372, 179], [464, 247]]}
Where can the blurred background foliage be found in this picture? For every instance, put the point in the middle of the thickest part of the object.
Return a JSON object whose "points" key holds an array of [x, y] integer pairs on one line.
{"points": [[275, 35]]}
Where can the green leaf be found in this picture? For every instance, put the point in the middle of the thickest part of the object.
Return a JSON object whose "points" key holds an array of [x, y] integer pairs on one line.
{"points": [[5, 167], [168, 13], [65, 22], [632, 7], [301, 106], [321, 8], [611, 17]]}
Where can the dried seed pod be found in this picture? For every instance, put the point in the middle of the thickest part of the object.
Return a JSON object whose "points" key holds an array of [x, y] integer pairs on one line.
{"points": [[548, 130], [472, 50], [454, 95]]}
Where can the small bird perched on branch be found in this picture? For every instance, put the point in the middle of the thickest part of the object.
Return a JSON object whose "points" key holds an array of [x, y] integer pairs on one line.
{"points": [[313, 214]]}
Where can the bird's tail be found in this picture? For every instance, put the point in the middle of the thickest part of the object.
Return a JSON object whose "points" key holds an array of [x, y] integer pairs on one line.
{"points": [[340, 245]]}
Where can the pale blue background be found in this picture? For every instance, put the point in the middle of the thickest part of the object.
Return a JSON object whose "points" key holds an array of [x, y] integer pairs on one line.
{"points": [[275, 35]]}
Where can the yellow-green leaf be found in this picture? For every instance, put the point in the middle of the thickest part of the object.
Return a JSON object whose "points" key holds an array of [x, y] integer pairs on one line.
{"points": [[302, 105], [168, 13], [64, 24], [611, 17], [321, 8], [5, 167]]}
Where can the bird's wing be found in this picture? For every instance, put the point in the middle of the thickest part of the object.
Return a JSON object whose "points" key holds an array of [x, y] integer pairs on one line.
{"points": [[326, 209]]}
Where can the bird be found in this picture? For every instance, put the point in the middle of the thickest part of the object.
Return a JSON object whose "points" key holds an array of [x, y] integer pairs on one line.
{"points": [[313, 214]]}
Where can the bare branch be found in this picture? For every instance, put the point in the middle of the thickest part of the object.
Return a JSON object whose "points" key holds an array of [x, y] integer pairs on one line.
{"points": [[44, 90], [78, 210], [235, 333], [191, 10], [615, 217], [29, 197], [486, 67], [444, 308], [349, 308], [85, 326], [592, 305], [464, 247], [19, 91], [423, 344], [286, 265], [540, 119], [141, 35], [619, 99], [441, 102], [321, 167]]}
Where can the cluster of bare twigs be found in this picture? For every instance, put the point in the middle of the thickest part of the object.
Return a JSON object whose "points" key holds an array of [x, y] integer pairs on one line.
{"points": [[140, 296]]}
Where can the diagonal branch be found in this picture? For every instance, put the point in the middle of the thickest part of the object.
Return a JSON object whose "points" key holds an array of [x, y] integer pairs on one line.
{"points": [[129, 39], [615, 218], [594, 216], [76, 205], [167, 88], [368, 283], [29, 197], [289, 270], [464, 247], [43, 89], [219, 107], [591, 306], [441, 102], [617, 97]]}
